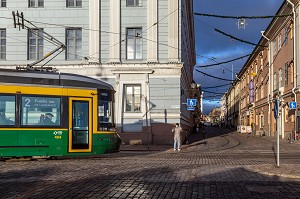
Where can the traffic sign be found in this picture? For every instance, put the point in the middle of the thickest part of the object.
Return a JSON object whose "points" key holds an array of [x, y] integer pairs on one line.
{"points": [[191, 102], [276, 109], [190, 108], [293, 105]]}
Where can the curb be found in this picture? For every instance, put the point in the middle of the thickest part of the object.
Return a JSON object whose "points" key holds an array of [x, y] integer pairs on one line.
{"points": [[280, 175]]}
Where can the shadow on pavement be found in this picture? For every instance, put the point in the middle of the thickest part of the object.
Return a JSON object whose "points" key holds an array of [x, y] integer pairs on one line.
{"points": [[99, 180], [208, 132]]}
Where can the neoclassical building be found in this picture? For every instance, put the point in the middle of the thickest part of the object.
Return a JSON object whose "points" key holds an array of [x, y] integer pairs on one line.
{"points": [[145, 49]]}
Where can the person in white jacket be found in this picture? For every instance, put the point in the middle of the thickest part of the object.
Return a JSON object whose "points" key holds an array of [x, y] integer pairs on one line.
{"points": [[177, 136]]}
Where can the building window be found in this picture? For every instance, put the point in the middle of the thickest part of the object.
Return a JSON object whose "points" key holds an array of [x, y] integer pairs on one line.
{"points": [[3, 44], [35, 44], [251, 94], [7, 110], [286, 33], [132, 98], [74, 3], [280, 78], [3, 3], [248, 75], [274, 48], [261, 121], [286, 74], [279, 42], [134, 43], [261, 63], [256, 96], [291, 30], [133, 2], [74, 43], [262, 88], [44, 113], [275, 82], [35, 3]]}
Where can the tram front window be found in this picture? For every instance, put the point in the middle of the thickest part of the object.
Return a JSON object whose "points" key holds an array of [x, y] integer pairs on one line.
{"points": [[105, 112]]}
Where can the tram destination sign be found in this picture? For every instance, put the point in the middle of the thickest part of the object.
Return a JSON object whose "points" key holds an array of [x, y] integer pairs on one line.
{"points": [[40, 102]]}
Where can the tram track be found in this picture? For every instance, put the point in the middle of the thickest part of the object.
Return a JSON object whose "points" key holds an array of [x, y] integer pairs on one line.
{"points": [[227, 142]]}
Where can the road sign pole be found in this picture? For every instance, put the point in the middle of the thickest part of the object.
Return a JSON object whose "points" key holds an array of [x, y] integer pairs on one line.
{"points": [[278, 119]]}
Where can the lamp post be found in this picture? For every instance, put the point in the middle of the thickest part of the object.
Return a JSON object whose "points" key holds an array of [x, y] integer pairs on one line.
{"points": [[193, 89], [193, 85]]}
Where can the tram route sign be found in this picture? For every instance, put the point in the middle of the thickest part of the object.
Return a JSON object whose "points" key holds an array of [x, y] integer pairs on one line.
{"points": [[40, 102], [276, 109], [292, 105], [191, 102]]}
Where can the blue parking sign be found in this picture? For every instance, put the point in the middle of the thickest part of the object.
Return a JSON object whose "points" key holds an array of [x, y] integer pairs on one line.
{"points": [[293, 105], [191, 102]]}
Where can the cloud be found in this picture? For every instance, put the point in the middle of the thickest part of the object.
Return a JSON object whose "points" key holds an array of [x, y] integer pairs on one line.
{"points": [[208, 105], [221, 55]]}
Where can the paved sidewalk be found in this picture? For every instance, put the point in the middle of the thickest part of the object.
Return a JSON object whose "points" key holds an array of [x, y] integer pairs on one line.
{"points": [[230, 165], [289, 170], [145, 147], [193, 139]]}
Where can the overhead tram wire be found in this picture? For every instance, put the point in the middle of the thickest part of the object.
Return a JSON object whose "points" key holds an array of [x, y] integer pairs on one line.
{"points": [[141, 32], [235, 38], [212, 96], [184, 51], [44, 47], [210, 58], [119, 33], [220, 63], [233, 17], [60, 25], [242, 17], [214, 76], [217, 86], [213, 92], [225, 62]]}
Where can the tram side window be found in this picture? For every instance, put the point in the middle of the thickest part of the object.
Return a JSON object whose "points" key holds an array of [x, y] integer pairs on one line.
{"points": [[7, 110], [40, 111], [105, 111]]}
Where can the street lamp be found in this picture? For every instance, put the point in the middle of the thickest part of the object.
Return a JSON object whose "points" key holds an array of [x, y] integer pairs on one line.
{"points": [[193, 85]]}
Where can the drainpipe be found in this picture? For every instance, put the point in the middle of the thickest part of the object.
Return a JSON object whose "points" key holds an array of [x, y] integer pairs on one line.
{"points": [[295, 61], [270, 81]]}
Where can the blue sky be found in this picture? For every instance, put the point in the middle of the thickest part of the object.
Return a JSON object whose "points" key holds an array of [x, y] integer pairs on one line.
{"points": [[212, 44]]}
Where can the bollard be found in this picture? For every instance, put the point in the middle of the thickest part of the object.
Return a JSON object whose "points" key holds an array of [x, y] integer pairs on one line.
{"points": [[292, 135], [186, 137]]}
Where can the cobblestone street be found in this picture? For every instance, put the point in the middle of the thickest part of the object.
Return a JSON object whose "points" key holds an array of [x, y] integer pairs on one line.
{"points": [[224, 165]]}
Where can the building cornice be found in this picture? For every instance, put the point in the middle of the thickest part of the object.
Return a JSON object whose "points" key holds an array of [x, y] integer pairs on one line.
{"points": [[132, 71]]}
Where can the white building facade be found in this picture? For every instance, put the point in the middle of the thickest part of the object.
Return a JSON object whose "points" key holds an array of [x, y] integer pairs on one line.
{"points": [[145, 49]]}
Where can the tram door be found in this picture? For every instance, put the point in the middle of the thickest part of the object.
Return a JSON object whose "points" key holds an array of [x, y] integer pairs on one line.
{"points": [[80, 125]]}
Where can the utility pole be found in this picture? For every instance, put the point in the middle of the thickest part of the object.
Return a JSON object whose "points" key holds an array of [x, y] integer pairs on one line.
{"points": [[278, 105]]}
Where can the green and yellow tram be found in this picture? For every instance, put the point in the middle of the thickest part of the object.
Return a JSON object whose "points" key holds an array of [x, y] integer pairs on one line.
{"points": [[55, 114]]}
